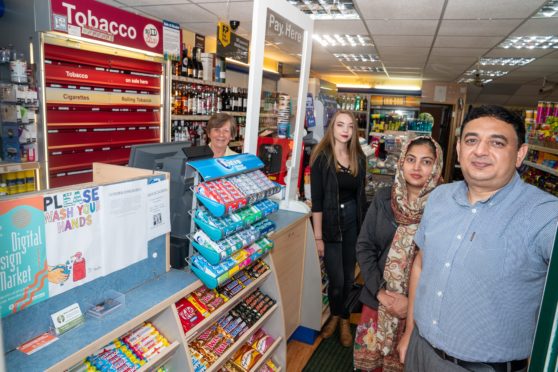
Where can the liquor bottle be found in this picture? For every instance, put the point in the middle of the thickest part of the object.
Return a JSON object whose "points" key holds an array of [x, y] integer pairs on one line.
{"points": [[233, 99], [195, 62], [364, 104], [176, 100], [184, 67], [357, 103], [245, 101], [184, 99], [200, 64], [190, 67], [219, 103], [223, 75], [226, 100]]}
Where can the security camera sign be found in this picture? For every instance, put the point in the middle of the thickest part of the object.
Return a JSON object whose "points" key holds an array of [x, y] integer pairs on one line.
{"points": [[230, 45]]}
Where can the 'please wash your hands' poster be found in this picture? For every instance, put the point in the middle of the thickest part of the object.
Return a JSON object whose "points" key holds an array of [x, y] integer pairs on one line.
{"points": [[73, 235]]}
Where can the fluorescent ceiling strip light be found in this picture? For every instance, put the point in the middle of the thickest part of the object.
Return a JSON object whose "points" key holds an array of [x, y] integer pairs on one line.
{"points": [[505, 61], [530, 42]]}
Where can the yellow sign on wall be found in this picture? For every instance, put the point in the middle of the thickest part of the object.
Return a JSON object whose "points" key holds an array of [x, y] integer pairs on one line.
{"points": [[224, 34]]}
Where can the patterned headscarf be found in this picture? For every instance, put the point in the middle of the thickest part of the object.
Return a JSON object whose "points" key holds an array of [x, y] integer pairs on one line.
{"points": [[402, 251]]}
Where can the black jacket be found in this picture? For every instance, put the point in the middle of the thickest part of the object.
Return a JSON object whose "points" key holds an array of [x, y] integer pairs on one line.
{"points": [[325, 196], [373, 245]]}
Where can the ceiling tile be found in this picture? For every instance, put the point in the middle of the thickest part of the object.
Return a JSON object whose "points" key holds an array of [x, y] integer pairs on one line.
{"points": [[353, 27], [403, 41], [458, 52], [389, 9], [350, 49], [467, 41], [532, 67], [492, 99], [516, 79], [519, 100], [398, 52], [538, 27], [202, 28], [405, 64], [152, 2], [495, 9], [525, 90], [510, 52], [461, 60], [114, 3], [415, 60], [477, 27], [240, 11], [209, 1], [180, 13], [402, 27]]}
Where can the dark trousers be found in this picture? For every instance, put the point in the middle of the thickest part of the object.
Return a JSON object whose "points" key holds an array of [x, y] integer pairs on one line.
{"points": [[340, 260], [421, 357]]}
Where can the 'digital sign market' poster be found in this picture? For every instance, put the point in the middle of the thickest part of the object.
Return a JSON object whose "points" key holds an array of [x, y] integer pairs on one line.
{"points": [[23, 264]]}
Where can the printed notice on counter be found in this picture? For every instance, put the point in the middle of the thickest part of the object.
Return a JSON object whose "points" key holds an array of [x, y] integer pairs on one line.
{"points": [[73, 238], [158, 208], [123, 213], [37, 343], [67, 318]]}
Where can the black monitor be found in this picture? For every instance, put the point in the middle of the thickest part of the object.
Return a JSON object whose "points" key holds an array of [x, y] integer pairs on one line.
{"points": [[151, 155], [172, 157]]}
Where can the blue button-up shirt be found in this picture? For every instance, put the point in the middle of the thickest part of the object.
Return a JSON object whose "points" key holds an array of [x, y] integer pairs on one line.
{"points": [[484, 269]]}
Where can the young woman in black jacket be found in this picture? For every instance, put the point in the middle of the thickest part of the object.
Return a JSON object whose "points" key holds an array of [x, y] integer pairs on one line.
{"points": [[385, 252], [338, 202]]}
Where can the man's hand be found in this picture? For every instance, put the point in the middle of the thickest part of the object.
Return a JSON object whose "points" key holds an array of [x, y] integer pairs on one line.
{"points": [[398, 304]]}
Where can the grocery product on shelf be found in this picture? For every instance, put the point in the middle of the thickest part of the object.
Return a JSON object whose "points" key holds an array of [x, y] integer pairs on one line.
{"points": [[130, 351]]}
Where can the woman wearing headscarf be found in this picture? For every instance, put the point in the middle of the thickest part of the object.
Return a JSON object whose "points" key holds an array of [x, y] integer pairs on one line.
{"points": [[385, 252]]}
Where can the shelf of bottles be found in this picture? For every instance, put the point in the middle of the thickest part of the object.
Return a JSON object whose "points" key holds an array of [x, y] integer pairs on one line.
{"points": [[358, 105]]}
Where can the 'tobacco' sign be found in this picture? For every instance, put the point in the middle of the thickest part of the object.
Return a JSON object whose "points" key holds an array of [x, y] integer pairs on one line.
{"points": [[93, 20]]}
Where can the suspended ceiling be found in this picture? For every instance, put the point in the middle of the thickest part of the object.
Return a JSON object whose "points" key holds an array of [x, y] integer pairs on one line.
{"points": [[437, 40]]}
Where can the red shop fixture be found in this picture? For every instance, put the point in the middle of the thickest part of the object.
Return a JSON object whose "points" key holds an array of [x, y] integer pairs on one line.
{"points": [[97, 106]]}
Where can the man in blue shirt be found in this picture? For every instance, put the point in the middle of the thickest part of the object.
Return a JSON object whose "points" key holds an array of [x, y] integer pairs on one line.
{"points": [[484, 250]]}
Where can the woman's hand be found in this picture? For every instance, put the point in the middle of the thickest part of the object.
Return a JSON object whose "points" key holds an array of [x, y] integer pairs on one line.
{"points": [[403, 344], [320, 247], [398, 304]]}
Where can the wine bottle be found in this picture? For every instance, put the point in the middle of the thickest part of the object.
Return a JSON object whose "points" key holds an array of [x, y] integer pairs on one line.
{"points": [[190, 67], [184, 67], [200, 64]]}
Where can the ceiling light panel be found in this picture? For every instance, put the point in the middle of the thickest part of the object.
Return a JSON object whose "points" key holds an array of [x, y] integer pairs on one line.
{"points": [[327, 9], [472, 80], [488, 73], [549, 9], [530, 42], [343, 40], [512, 61], [366, 69], [355, 57]]}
